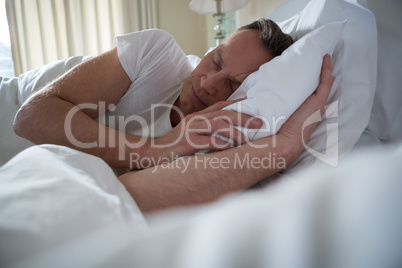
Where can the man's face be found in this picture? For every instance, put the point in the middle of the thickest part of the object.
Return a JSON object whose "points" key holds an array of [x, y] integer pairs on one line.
{"points": [[222, 71]]}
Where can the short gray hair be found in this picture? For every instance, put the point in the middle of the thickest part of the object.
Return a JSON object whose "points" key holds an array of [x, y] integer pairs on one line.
{"points": [[271, 35]]}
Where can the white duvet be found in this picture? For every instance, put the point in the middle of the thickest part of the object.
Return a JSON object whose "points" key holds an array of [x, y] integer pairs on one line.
{"points": [[50, 195], [63, 208]]}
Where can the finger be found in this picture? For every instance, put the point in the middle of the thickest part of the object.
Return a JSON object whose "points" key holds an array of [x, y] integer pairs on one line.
{"points": [[238, 119], [233, 118], [221, 126], [218, 144], [232, 134], [326, 80], [209, 142]]}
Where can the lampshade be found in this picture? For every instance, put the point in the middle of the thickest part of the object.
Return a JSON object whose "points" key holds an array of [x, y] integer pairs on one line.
{"points": [[209, 6]]}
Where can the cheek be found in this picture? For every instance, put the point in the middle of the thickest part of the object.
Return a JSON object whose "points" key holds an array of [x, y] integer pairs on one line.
{"points": [[225, 92], [202, 68], [185, 92], [223, 96], [185, 98]]}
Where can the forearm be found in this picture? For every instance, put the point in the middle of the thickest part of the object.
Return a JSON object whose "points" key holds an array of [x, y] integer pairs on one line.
{"points": [[204, 178], [53, 120], [51, 115]]}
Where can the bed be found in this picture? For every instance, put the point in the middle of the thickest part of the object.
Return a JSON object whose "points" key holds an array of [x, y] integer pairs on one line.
{"points": [[338, 205]]}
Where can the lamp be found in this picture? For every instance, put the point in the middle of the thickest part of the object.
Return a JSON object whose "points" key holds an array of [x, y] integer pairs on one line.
{"points": [[218, 8]]}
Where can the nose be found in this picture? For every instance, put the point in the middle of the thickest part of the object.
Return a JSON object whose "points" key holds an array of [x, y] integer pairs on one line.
{"points": [[210, 83]]}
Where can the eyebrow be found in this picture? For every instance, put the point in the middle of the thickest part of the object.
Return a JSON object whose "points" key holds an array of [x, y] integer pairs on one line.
{"points": [[219, 53]]}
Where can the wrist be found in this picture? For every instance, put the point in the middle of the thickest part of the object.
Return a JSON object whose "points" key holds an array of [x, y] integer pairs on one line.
{"points": [[291, 149]]}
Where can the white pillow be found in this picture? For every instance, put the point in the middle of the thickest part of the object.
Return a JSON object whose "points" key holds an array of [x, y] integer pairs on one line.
{"points": [[354, 64], [354, 68], [280, 86]]}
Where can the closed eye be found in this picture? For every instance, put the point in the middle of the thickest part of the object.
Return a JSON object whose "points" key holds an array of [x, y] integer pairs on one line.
{"points": [[214, 62]]}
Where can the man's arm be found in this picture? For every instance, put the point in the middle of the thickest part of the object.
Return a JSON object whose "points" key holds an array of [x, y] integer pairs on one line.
{"points": [[51, 116], [204, 178], [42, 118]]}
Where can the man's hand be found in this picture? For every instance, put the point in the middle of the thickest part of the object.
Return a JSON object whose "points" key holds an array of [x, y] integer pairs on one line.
{"points": [[198, 131]]}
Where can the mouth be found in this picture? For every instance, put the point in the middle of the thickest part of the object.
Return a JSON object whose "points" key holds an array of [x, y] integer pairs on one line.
{"points": [[196, 99]]}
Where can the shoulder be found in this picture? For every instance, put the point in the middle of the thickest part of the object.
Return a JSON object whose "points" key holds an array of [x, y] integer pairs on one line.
{"points": [[150, 42], [144, 37], [149, 50], [158, 34]]}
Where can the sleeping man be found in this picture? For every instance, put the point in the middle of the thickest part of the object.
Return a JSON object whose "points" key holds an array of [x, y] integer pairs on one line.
{"points": [[142, 103]]}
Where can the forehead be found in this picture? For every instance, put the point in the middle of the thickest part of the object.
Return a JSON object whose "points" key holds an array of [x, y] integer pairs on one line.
{"points": [[243, 53]]}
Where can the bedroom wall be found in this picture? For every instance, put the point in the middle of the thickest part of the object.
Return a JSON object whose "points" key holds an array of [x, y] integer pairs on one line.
{"points": [[187, 27], [255, 9]]}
